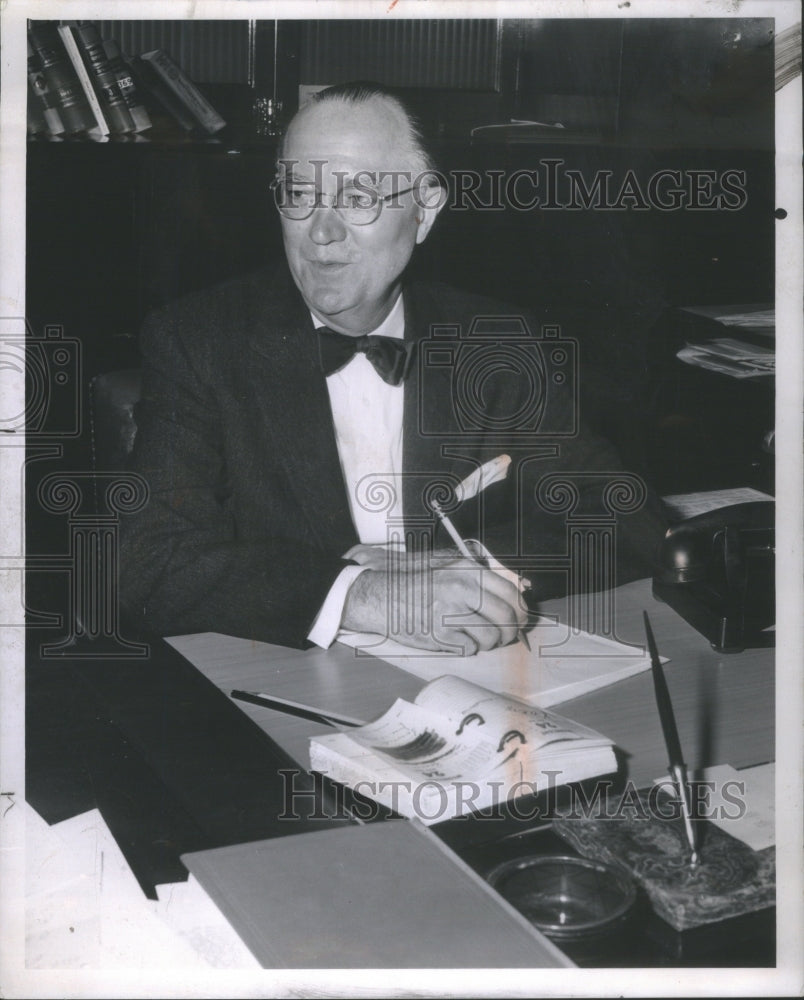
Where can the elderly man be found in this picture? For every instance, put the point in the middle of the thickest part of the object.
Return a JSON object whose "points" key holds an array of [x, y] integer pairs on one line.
{"points": [[291, 424]]}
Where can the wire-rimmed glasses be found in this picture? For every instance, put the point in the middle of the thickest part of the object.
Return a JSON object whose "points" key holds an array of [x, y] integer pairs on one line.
{"points": [[357, 205]]}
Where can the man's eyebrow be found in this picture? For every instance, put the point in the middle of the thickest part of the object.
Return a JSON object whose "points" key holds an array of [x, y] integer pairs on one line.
{"points": [[361, 179], [296, 179]]}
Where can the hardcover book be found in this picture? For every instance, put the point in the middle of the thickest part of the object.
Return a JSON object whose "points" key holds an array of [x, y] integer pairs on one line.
{"points": [[42, 103], [184, 91], [103, 77], [101, 129], [128, 88], [62, 82], [379, 896], [459, 748]]}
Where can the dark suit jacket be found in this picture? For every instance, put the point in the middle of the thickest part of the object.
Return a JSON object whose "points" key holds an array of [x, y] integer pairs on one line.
{"points": [[248, 518]]}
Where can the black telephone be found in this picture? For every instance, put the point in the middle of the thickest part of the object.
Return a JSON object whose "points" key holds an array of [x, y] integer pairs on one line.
{"points": [[717, 570]]}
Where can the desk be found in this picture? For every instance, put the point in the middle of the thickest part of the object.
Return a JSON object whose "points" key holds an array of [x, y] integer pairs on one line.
{"points": [[184, 774], [724, 703]]}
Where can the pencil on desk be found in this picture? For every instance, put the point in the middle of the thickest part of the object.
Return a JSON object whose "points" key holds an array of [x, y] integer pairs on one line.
{"points": [[296, 708]]}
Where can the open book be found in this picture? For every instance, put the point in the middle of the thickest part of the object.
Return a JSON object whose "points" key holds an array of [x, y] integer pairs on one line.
{"points": [[459, 748]]}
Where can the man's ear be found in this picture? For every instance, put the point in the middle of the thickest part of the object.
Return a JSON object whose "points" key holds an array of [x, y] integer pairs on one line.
{"points": [[430, 199]]}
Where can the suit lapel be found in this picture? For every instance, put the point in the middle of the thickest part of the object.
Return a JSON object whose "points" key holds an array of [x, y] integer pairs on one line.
{"points": [[429, 413], [296, 413]]}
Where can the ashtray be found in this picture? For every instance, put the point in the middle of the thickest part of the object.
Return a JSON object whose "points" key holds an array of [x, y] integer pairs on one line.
{"points": [[565, 897]]}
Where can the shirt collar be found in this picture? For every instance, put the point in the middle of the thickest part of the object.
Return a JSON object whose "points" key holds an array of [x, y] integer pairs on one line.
{"points": [[392, 326]]}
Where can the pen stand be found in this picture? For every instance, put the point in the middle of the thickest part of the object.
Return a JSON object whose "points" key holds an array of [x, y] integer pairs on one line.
{"points": [[730, 880]]}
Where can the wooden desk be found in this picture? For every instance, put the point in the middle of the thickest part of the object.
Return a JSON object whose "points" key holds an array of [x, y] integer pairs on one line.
{"points": [[724, 702]]}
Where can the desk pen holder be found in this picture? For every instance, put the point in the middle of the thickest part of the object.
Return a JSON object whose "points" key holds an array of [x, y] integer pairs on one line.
{"points": [[646, 839]]}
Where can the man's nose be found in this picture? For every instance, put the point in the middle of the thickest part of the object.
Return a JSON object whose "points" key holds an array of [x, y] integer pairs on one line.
{"points": [[326, 226]]}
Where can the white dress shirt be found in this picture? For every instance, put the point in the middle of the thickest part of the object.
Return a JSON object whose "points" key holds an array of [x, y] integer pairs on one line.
{"points": [[367, 416]]}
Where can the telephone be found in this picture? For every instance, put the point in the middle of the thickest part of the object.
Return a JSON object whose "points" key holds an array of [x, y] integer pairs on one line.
{"points": [[717, 570]]}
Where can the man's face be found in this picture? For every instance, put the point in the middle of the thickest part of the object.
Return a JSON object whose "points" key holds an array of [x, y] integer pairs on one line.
{"points": [[349, 275]]}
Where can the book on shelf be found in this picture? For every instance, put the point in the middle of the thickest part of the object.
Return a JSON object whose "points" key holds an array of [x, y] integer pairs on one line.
{"points": [[459, 748], [102, 76], [184, 99], [61, 78], [100, 130], [43, 111], [159, 96], [128, 88]]}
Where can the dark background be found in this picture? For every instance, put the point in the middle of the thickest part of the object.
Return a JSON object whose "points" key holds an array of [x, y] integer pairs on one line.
{"points": [[118, 228]]}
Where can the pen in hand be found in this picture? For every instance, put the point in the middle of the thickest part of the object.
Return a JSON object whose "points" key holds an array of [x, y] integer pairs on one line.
{"points": [[489, 473]]}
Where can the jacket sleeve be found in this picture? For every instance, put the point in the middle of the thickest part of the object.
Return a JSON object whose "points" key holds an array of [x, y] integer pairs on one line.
{"points": [[183, 567]]}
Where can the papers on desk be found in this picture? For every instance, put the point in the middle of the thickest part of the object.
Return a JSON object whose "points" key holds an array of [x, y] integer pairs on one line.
{"points": [[741, 803], [730, 357], [758, 319], [751, 320], [85, 909], [561, 664], [680, 506]]}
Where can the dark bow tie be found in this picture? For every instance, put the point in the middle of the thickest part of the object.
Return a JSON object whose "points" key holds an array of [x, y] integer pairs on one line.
{"points": [[390, 357]]}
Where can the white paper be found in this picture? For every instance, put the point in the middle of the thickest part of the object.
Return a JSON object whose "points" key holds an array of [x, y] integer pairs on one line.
{"points": [[684, 505], [561, 664], [730, 357], [85, 909], [741, 803]]}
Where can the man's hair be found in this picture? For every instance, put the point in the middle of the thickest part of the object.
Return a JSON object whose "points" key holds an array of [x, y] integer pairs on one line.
{"points": [[364, 91]]}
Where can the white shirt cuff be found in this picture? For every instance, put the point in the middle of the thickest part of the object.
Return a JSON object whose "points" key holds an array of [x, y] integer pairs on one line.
{"points": [[328, 620]]}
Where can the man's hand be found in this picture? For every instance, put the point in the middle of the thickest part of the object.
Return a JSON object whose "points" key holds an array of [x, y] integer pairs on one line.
{"points": [[450, 604], [379, 557]]}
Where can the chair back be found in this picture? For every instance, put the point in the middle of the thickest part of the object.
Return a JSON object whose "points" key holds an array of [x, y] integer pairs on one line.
{"points": [[113, 397]]}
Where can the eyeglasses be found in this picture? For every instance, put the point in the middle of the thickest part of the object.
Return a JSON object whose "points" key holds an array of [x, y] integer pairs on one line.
{"points": [[357, 206]]}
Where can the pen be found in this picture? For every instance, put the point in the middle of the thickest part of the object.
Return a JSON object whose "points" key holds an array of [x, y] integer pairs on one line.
{"points": [[678, 770], [296, 708], [465, 551]]}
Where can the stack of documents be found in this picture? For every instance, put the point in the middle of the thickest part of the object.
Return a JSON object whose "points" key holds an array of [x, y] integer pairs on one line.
{"points": [[730, 357], [562, 663]]}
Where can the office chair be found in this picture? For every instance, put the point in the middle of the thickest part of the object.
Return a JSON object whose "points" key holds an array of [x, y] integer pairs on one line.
{"points": [[113, 429]]}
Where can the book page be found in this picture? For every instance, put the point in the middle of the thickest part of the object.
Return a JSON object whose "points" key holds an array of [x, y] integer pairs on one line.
{"points": [[426, 745], [504, 720]]}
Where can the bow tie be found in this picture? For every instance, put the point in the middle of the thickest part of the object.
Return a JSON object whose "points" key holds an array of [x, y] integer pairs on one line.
{"points": [[390, 357]]}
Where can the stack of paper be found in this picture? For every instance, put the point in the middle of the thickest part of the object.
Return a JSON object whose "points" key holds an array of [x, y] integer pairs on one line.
{"points": [[730, 357], [562, 663], [85, 909]]}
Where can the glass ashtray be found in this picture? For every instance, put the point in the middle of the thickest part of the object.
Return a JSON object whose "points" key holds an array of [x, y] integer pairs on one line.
{"points": [[565, 897]]}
